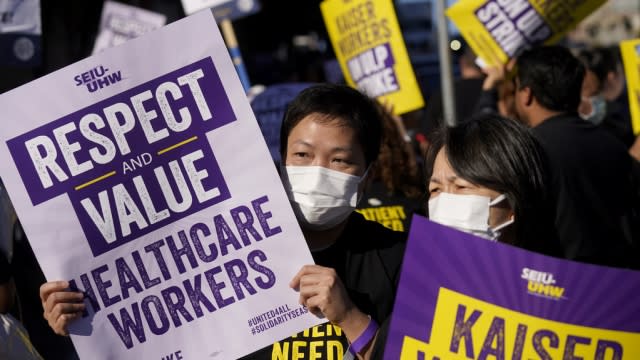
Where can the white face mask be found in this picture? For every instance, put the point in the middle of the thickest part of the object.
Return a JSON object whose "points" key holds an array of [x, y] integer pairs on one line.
{"points": [[598, 110], [468, 213], [321, 198]]}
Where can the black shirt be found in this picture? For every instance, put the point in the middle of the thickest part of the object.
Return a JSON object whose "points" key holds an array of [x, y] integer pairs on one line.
{"points": [[591, 189], [618, 120], [392, 210], [367, 257]]}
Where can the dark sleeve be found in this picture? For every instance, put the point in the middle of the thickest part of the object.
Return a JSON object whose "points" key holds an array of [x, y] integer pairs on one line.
{"points": [[487, 102], [5, 271]]}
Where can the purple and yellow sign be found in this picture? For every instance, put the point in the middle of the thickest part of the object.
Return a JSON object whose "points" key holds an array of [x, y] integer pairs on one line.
{"points": [[630, 51], [462, 297], [498, 30], [369, 46]]}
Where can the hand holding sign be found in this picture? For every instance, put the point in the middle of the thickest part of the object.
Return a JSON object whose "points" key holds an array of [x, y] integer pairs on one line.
{"points": [[60, 306], [324, 294]]}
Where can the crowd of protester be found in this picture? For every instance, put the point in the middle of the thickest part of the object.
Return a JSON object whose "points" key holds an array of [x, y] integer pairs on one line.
{"points": [[542, 157]]}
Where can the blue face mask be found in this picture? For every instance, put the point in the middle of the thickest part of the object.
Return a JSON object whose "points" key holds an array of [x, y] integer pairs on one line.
{"points": [[598, 110]]}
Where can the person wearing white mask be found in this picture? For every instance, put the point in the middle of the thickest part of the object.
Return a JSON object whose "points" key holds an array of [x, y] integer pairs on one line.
{"points": [[487, 176], [330, 138]]}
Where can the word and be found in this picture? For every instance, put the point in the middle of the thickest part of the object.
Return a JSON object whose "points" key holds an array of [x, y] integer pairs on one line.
{"points": [[137, 162]]}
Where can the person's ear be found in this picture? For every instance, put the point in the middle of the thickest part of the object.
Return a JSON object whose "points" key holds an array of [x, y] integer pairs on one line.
{"points": [[611, 77], [528, 96]]}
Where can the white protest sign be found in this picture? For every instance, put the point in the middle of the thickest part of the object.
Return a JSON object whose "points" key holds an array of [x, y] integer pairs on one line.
{"points": [[141, 176], [120, 22]]}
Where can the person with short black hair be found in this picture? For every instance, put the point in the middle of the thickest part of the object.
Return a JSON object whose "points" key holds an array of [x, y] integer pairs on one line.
{"points": [[492, 162], [590, 169], [551, 78]]}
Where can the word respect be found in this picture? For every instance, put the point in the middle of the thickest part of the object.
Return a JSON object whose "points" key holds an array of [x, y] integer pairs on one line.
{"points": [[99, 136]]}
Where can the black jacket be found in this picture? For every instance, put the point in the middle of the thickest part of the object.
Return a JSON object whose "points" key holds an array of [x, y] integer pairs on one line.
{"points": [[591, 189], [367, 258]]}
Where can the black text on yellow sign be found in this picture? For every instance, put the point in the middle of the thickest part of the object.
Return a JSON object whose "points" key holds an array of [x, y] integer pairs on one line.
{"points": [[467, 328]]}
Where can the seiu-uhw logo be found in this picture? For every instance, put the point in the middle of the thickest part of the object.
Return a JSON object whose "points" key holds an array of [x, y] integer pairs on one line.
{"points": [[543, 284], [97, 78]]}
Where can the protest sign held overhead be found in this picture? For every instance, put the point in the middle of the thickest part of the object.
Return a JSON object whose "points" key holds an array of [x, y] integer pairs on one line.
{"points": [[498, 30], [463, 297], [121, 22], [20, 33], [368, 43], [134, 179], [631, 57]]}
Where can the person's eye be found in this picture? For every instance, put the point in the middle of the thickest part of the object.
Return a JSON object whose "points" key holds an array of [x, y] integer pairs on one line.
{"points": [[434, 190], [341, 161], [300, 154]]}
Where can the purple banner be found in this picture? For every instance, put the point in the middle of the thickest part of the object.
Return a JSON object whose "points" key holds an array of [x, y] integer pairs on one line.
{"points": [[465, 297], [134, 162]]}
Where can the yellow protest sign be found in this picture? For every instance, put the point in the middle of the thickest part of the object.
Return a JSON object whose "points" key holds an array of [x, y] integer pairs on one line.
{"points": [[369, 46], [630, 50], [497, 30], [472, 329]]}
